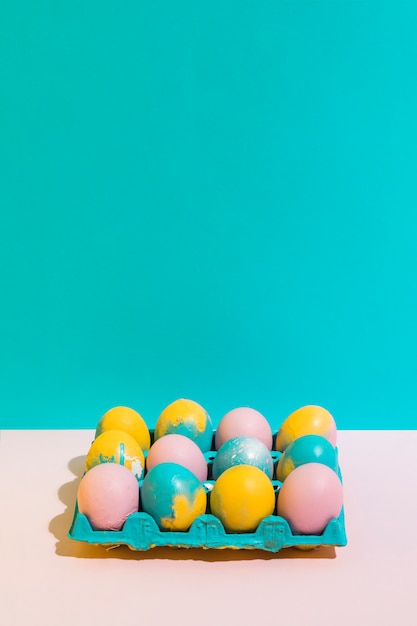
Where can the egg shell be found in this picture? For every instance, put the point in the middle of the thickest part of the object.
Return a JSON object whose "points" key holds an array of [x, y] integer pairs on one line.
{"points": [[107, 495], [309, 498], [116, 446], [188, 418], [243, 451], [306, 449], [307, 420], [178, 449], [243, 422], [242, 497], [173, 496], [126, 419]]}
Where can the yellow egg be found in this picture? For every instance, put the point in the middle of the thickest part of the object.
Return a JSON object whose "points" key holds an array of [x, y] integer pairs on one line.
{"points": [[241, 497], [117, 446], [126, 419], [308, 420]]}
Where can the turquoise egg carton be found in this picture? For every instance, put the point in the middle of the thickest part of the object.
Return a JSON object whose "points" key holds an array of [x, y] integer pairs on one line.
{"points": [[140, 531]]}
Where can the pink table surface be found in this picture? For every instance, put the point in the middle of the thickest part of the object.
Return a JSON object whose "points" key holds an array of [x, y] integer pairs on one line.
{"points": [[47, 579]]}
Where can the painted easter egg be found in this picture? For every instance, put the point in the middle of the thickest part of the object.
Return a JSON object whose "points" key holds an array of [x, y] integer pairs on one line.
{"points": [[306, 449], [178, 449], [117, 446], [107, 495], [243, 451], [309, 498], [243, 422], [307, 420], [126, 419], [241, 497], [173, 496], [188, 418]]}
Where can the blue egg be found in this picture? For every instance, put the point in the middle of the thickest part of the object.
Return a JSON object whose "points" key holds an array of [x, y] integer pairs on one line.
{"points": [[243, 451], [173, 496], [307, 449]]}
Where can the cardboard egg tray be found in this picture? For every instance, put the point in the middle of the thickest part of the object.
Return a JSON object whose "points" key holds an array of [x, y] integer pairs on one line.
{"points": [[140, 531]]}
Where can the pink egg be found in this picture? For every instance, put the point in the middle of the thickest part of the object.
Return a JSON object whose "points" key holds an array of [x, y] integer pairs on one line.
{"points": [[309, 498], [107, 494], [243, 422], [178, 449]]}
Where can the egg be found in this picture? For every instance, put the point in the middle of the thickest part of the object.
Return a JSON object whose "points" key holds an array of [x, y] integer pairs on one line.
{"points": [[126, 419], [307, 420], [188, 418], [306, 449], [116, 446], [309, 498], [243, 451], [243, 422], [241, 498], [173, 496], [107, 495], [178, 449]]}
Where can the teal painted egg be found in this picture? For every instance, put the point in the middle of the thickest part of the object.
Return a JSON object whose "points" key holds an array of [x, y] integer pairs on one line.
{"points": [[243, 451], [307, 449], [173, 496]]}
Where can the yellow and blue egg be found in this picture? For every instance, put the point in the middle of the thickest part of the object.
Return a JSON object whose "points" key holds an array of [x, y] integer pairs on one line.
{"points": [[188, 418], [243, 451], [306, 449], [173, 496], [116, 446]]}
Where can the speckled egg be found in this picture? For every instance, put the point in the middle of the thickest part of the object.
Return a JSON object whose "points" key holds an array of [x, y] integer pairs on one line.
{"points": [[117, 446], [243, 451], [188, 418], [307, 420], [243, 422], [309, 498], [242, 497], [178, 449], [107, 495], [307, 449], [173, 496]]}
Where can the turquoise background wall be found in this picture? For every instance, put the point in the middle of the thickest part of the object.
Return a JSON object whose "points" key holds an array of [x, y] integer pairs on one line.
{"points": [[214, 200]]}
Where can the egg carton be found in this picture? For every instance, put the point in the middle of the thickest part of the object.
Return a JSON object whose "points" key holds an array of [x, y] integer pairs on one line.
{"points": [[140, 531]]}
